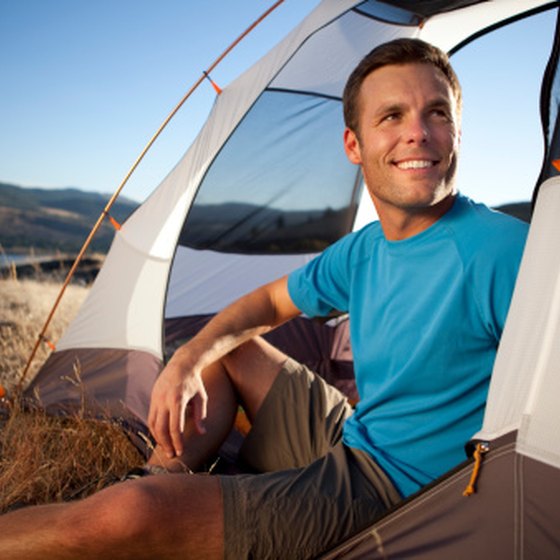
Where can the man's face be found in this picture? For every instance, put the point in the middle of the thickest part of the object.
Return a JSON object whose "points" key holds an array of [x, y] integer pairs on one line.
{"points": [[408, 137]]}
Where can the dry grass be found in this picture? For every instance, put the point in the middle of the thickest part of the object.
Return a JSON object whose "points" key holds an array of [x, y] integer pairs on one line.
{"points": [[47, 459], [24, 306], [44, 458]]}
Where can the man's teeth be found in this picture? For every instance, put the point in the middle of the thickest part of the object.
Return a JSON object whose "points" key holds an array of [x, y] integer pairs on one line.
{"points": [[415, 164]]}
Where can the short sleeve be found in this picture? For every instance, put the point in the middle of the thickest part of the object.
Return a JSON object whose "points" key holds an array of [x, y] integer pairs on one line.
{"points": [[323, 284]]}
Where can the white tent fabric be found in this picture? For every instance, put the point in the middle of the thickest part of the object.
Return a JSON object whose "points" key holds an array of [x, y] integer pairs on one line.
{"points": [[204, 281], [446, 32], [526, 378], [124, 307], [326, 59]]}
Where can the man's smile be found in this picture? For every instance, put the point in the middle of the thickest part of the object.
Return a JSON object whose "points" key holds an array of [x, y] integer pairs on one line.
{"points": [[415, 164]]}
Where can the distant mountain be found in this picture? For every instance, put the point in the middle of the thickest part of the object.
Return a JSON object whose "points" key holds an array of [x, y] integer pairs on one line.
{"points": [[50, 220], [59, 220], [246, 228], [521, 210]]}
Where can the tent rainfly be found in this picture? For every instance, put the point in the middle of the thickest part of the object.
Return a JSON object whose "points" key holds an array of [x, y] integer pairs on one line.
{"points": [[234, 214]]}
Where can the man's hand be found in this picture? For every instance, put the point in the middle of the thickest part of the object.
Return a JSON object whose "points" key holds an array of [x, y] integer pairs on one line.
{"points": [[176, 388], [180, 386]]}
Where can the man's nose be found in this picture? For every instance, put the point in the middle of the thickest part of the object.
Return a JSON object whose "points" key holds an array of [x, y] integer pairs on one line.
{"points": [[417, 130]]}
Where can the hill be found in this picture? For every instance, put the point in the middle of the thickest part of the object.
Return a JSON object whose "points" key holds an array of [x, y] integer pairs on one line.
{"points": [[55, 220], [244, 227], [58, 221], [521, 210]]}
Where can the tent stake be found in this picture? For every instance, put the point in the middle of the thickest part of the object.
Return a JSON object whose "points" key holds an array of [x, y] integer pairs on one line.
{"points": [[113, 198]]}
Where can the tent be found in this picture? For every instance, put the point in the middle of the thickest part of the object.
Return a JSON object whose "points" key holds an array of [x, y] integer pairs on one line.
{"points": [[235, 212]]}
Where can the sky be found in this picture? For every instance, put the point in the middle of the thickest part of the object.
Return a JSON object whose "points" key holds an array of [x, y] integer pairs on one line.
{"points": [[85, 85]]}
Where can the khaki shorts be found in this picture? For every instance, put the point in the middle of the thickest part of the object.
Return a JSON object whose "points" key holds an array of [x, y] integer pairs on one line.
{"points": [[314, 491]]}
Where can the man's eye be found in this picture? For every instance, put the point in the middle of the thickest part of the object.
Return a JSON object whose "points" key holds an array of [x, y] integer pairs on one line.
{"points": [[440, 113], [391, 117]]}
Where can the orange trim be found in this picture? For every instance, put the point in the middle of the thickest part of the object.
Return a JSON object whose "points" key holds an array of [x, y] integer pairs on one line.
{"points": [[242, 423], [471, 486], [48, 342], [216, 87], [556, 163], [114, 222]]}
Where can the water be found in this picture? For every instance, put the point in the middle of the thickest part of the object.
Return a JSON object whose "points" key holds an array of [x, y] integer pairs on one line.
{"points": [[7, 259]]}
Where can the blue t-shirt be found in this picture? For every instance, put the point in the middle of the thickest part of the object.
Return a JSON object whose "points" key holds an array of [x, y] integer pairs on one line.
{"points": [[426, 316]]}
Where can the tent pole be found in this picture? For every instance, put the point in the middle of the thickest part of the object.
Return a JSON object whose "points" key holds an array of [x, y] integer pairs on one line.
{"points": [[113, 198]]}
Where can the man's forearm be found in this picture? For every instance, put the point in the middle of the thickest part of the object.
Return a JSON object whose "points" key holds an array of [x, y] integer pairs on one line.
{"points": [[252, 315]]}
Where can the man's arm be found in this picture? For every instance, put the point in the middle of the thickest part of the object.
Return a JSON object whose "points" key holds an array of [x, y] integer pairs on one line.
{"points": [[180, 383]]}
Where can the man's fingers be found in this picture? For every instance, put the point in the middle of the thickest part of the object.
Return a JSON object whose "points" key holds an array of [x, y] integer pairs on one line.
{"points": [[167, 415], [199, 411], [183, 415], [176, 429], [161, 431]]}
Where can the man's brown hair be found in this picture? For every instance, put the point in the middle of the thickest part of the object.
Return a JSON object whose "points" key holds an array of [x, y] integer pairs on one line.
{"points": [[399, 51]]}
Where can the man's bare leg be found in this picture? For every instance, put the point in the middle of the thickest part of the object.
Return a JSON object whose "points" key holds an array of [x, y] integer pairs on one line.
{"points": [[242, 377], [163, 517], [171, 516]]}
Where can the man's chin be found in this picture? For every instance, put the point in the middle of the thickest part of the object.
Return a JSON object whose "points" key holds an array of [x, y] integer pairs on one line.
{"points": [[429, 203]]}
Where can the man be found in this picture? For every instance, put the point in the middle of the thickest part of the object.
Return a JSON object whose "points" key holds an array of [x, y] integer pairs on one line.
{"points": [[427, 288]]}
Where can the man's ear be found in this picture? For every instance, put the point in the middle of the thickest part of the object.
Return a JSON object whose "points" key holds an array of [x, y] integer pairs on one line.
{"points": [[352, 146]]}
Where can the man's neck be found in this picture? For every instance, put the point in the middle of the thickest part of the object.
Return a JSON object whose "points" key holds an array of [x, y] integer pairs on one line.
{"points": [[399, 224]]}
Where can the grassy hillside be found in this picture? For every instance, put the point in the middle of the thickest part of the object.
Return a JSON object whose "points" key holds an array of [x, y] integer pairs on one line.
{"points": [[59, 220], [50, 220]]}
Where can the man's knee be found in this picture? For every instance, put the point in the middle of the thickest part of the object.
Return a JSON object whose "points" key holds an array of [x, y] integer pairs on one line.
{"points": [[252, 368], [256, 355], [119, 514], [148, 517]]}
